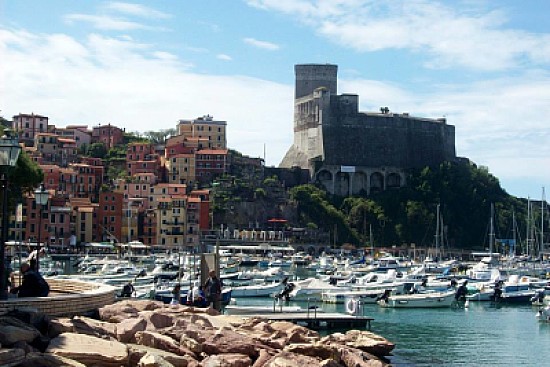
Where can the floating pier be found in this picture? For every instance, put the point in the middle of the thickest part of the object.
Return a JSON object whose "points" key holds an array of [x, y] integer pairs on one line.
{"points": [[319, 320]]}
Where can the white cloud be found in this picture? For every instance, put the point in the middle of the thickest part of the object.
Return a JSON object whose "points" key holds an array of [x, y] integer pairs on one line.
{"points": [[136, 9], [473, 38], [261, 44], [138, 87], [105, 22], [224, 57]]}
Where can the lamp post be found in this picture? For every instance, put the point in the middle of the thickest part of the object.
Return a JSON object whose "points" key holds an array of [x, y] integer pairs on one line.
{"points": [[9, 152], [41, 196]]}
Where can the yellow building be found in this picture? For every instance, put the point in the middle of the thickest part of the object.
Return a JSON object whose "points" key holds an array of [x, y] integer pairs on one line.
{"points": [[181, 169], [209, 132], [172, 222]]}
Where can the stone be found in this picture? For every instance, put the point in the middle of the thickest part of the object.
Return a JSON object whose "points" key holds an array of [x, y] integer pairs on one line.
{"points": [[364, 340], [164, 342], [329, 363], [295, 333], [228, 341], [11, 357], [227, 360], [59, 325], [126, 329], [24, 346], [153, 360], [315, 350], [355, 358], [136, 352], [89, 350], [288, 359], [85, 325], [263, 357], [13, 330], [157, 319], [191, 344], [48, 360]]}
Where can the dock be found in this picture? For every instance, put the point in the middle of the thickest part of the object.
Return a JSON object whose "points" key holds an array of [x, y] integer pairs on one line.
{"points": [[320, 320]]}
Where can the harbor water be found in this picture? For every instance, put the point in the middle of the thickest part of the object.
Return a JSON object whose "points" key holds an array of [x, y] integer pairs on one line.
{"points": [[481, 335]]}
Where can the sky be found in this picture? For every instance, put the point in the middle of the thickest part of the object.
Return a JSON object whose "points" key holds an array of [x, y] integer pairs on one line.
{"points": [[142, 66]]}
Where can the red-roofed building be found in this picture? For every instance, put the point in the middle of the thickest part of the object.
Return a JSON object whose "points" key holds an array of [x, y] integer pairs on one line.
{"points": [[109, 135], [28, 126]]}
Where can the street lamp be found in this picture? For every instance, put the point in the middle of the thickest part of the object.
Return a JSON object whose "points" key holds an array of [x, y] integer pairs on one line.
{"points": [[41, 196], [9, 152]]}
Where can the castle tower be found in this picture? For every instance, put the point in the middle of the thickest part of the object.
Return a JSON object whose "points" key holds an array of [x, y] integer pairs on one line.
{"points": [[312, 76]]}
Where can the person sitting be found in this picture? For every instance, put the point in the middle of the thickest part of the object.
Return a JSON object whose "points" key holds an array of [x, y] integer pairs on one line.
{"points": [[199, 298], [127, 290], [189, 298], [33, 284]]}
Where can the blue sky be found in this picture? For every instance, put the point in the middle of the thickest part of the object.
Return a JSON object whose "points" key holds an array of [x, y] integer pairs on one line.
{"points": [[484, 65]]}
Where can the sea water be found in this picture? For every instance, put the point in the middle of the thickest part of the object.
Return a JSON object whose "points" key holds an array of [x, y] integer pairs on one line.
{"points": [[484, 334]]}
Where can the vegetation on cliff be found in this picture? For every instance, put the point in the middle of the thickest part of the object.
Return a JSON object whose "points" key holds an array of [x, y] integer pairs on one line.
{"points": [[407, 215]]}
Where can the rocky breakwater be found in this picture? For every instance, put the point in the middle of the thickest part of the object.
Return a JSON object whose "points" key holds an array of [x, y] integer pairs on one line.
{"points": [[149, 333]]}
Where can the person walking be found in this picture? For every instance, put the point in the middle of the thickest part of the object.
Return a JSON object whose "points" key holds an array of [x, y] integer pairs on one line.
{"points": [[213, 290]]}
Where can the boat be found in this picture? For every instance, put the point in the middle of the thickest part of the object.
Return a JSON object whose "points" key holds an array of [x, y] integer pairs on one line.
{"points": [[419, 300], [311, 288], [340, 297], [257, 290], [260, 310]]}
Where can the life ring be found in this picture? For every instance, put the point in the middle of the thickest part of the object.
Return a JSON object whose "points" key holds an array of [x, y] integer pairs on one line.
{"points": [[351, 306]]}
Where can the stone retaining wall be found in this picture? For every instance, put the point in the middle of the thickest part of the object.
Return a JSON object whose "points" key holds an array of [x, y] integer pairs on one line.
{"points": [[69, 298]]}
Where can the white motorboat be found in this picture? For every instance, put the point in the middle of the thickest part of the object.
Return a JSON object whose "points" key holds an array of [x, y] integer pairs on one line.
{"points": [[259, 310], [258, 290], [419, 300], [340, 297], [311, 288]]}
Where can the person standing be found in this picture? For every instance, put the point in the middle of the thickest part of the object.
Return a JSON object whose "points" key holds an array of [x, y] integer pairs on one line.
{"points": [[213, 288]]}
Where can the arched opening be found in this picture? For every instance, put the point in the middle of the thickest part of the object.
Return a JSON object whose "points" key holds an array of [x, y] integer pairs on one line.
{"points": [[376, 182], [393, 181]]}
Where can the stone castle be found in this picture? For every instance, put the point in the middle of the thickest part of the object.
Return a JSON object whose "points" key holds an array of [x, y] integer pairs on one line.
{"points": [[350, 152]]}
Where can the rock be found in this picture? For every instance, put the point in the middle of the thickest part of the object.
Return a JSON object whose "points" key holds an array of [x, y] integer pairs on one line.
{"points": [[89, 350], [191, 344], [263, 357], [315, 350], [11, 357], [329, 363], [119, 311], [136, 352], [227, 360], [126, 329], [85, 325], [48, 360], [228, 341], [24, 346], [59, 325], [13, 330], [355, 358], [153, 360], [295, 333], [287, 359], [157, 319], [364, 340], [159, 341]]}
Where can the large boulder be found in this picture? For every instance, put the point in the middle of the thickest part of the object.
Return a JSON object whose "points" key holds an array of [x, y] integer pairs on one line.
{"points": [[13, 330], [364, 340], [119, 311], [157, 319], [85, 325], [136, 352], [228, 341], [48, 360], [11, 357], [126, 329], [89, 350], [288, 359], [153, 360], [59, 325], [164, 342], [355, 358], [315, 350], [295, 333], [227, 360]]}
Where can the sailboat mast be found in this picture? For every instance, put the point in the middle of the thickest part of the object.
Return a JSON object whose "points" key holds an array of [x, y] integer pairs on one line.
{"points": [[528, 225], [514, 231], [371, 239], [541, 247], [437, 232], [492, 230]]}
